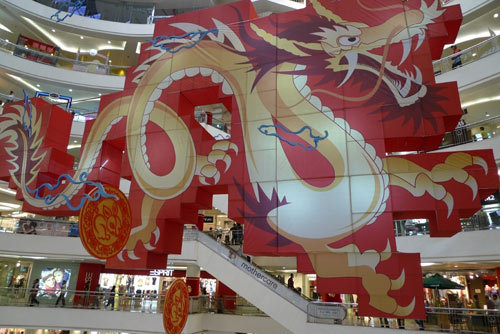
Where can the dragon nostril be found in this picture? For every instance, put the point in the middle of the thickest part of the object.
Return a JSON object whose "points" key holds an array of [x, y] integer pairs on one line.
{"points": [[352, 39]]}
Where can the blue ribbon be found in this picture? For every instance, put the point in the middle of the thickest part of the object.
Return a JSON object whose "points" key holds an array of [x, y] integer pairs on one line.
{"points": [[158, 39], [264, 130], [49, 199]]}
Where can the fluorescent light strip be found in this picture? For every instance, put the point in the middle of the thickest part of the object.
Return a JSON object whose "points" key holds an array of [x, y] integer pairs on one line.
{"points": [[24, 82], [4, 208], [10, 205], [8, 191], [485, 34], [73, 146], [480, 101], [5, 28]]}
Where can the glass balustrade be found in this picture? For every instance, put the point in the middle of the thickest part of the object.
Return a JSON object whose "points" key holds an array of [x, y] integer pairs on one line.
{"points": [[60, 62], [108, 10], [468, 133], [55, 228], [467, 56], [437, 318]]}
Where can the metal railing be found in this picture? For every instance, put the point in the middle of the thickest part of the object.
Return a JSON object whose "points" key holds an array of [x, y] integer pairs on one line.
{"points": [[478, 222], [46, 227], [125, 12], [104, 299], [61, 62], [245, 265], [81, 114], [463, 135], [438, 319], [467, 56]]}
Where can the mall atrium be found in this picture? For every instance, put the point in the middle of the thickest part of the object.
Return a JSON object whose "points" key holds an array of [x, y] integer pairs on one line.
{"points": [[81, 57]]}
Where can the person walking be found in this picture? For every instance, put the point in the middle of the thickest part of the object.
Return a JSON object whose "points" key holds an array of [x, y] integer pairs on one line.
{"points": [[457, 60], [34, 292], [111, 299], [62, 293], [96, 302], [290, 282]]}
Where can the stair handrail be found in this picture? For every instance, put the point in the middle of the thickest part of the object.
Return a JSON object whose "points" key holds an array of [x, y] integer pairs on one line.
{"points": [[249, 268]]}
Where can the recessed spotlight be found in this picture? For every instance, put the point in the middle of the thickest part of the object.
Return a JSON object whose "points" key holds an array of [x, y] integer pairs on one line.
{"points": [[474, 54], [81, 37], [100, 94], [487, 115], [455, 266], [38, 85], [70, 90], [53, 30], [109, 42], [495, 15]]}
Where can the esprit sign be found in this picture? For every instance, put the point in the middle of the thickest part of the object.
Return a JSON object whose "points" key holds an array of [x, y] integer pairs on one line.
{"points": [[161, 272]]}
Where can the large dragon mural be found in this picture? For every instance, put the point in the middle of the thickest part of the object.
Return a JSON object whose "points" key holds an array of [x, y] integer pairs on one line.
{"points": [[334, 109]]}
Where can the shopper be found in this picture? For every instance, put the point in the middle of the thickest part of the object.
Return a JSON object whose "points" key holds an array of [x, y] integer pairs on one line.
{"points": [[457, 60], [62, 293], [290, 282], [11, 97], [111, 299], [96, 302], [34, 292], [496, 300]]}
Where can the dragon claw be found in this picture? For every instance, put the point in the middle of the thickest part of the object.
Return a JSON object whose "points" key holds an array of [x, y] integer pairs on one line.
{"points": [[206, 165], [404, 311], [398, 283]]}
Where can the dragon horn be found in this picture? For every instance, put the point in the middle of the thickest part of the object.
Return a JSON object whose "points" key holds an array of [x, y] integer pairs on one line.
{"points": [[322, 11], [285, 44]]}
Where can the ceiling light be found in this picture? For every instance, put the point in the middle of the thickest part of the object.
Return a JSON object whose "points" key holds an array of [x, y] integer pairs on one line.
{"points": [[100, 94], [455, 266], [445, 276], [109, 42], [38, 85], [426, 264], [75, 141], [53, 30], [70, 90], [73, 146], [10, 205], [8, 191], [4, 208], [474, 54], [495, 15], [5, 28], [479, 101], [487, 115], [15, 77], [81, 37], [18, 264]]}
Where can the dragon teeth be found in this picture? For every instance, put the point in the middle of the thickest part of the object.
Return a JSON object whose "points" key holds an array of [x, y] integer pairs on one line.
{"points": [[216, 77], [192, 71], [165, 83], [149, 108], [178, 75], [378, 162], [226, 88], [406, 88], [205, 71], [155, 95]]}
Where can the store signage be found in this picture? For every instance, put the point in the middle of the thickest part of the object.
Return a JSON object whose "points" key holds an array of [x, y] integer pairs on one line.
{"points": [[161, 272], [208, 219], [327, 311], [492, 199]]}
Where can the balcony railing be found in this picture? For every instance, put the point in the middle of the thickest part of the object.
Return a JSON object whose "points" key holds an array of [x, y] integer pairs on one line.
{"points": [[463, 134], [61, 62], [469, 55], [437, 318], [115, 11], [478, 222]]}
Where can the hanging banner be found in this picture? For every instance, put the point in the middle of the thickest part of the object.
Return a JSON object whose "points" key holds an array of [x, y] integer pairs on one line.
{"points": [[176, 310]]}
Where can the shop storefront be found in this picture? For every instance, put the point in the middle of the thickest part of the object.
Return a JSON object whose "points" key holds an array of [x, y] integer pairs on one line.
{"points": [[14, 276]]}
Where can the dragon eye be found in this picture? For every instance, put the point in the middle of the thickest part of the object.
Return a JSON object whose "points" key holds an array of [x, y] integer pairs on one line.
{"points": [[348, 40]]}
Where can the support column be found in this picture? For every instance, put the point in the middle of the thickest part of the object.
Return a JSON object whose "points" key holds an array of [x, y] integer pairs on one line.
{"points": [[498, 275], [225, 297], [193, 279]]}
